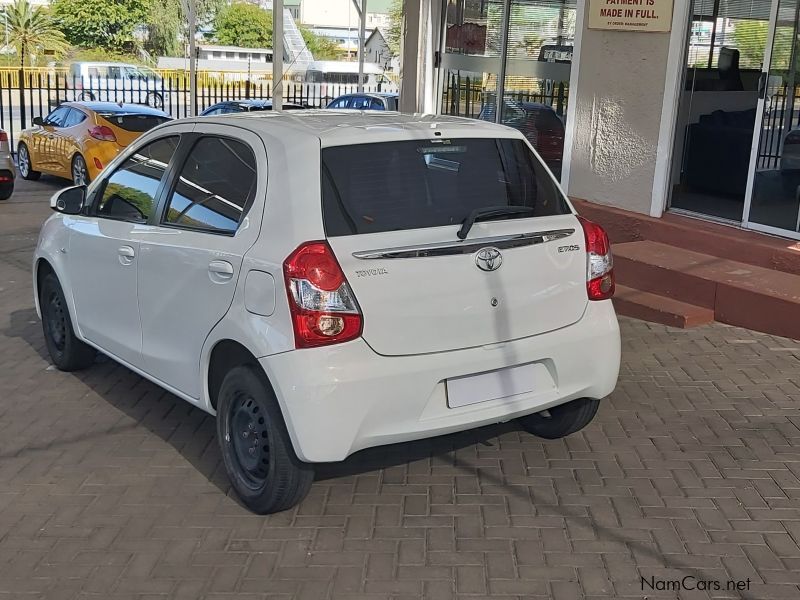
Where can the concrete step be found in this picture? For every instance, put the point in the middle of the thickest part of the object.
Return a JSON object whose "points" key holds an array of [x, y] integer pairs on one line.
{"points": [[723, 241], [659, 309], [738, 293]]}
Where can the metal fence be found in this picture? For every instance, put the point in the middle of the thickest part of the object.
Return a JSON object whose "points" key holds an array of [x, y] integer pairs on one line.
{"points": [[34, 93], [467, 96], [781, 115]]}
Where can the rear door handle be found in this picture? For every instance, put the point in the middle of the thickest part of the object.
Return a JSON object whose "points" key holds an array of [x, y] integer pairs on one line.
{"points": [[126, 254], [220, 271]]}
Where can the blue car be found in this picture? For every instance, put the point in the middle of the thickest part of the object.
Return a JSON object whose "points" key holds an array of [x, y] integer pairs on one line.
{"points": [[367, 101]]}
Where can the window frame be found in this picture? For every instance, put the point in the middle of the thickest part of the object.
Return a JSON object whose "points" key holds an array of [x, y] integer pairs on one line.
{"points": [[176, 168], [73, 110], [98, 192], [47, 123]]}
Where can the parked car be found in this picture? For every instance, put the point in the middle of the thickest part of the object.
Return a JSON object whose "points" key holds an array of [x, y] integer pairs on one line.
{"points": [[411, 276], [376, 101], [78, 139], [7, 170], [539, 123], [241, 106], [116, 82]]}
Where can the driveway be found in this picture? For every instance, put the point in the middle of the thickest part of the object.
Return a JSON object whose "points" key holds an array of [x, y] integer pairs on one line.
{"points": [[686, 485]]}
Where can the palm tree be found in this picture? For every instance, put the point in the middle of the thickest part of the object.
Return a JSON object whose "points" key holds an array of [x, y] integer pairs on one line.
{"points": [[32, 30]]}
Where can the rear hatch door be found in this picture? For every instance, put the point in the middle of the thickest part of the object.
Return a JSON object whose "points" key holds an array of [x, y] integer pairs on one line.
{"points": [[392, 211]]}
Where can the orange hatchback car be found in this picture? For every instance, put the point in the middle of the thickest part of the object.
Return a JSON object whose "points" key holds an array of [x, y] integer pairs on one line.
{"points": [[78, 139]]}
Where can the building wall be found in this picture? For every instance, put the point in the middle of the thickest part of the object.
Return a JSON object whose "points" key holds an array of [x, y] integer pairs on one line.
{"points": [[340, 13], [618, 99]]}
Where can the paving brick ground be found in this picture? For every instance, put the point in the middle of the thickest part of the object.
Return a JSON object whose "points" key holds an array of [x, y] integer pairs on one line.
{"points": [[113, 489]]}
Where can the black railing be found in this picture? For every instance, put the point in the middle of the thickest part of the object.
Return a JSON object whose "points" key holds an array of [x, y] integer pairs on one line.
{"points": [[36, 94], [781, 115], [468, 96]]}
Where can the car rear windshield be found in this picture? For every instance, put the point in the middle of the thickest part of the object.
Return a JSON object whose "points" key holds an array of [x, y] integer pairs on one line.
{"points": [[133, 121], [389, 186]]}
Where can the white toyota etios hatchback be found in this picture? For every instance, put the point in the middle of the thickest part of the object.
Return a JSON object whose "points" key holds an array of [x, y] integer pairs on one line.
{"points": [[328, 281]]}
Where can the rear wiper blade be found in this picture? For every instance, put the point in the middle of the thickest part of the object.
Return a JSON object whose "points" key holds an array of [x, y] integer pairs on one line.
{"points": [[489, 212]]}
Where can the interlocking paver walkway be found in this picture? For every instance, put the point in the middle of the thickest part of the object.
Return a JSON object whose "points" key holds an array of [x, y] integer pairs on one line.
{"points": [[113, 489]]}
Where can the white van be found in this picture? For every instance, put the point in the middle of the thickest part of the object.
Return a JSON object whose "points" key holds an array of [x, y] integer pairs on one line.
{"points": [[116, 82]]}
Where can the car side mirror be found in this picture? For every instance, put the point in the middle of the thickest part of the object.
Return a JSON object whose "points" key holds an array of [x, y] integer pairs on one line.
{"points": [[69, 201], [38, 121]]}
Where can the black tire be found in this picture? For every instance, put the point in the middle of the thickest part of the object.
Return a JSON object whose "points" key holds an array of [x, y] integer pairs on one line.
{"points": [[67, 352], [256, 449], [79, 170], [6, 189], [563, 420], [154, 100], [25, 165]]}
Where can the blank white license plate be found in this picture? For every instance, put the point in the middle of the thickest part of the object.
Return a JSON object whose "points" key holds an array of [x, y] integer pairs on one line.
{"points": [[494, 385]]}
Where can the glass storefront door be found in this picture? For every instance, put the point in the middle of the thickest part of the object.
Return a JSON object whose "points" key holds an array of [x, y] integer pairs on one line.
{"points": [[774, 183], [519, 51]]}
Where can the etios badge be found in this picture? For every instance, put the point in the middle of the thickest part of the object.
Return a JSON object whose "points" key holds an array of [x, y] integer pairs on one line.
{"points": [[488, 259]]}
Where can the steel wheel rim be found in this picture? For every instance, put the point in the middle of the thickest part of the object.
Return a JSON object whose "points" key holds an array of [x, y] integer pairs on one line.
{"points": [[56, 322], [249, 439], [23, 161], [80, 176]]}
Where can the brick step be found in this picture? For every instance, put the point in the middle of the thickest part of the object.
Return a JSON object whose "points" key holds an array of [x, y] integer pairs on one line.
{"points": [[659, 309], [738, 293], [724, 241]]}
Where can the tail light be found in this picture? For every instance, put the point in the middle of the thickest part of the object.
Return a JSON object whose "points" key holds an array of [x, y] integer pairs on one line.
{"points": [[103, 133], [600, 263], [324, 310], [3, 136]]}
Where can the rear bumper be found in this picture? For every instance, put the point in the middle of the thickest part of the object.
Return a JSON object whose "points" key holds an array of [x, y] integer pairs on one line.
{"points": [[342, 399]]}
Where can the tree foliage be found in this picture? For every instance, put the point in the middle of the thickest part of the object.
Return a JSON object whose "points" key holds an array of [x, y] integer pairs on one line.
{"points": [[395, 31], [323, 48], [244, 24], [751, 39], [32, 32], [100, 23]]}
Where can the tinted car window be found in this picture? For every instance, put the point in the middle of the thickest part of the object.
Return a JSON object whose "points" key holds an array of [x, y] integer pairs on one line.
{"points": [[340, 103], [74, 117], [58, 117], [216, 186], [388, 186], [360, 102], [376, 104], [136, 122], [129, 193]]}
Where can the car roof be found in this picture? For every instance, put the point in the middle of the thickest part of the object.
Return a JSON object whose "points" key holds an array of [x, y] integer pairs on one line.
{"points": [[368, 95], [117, 108], [95, 63], [252, 103], [334, 127]]}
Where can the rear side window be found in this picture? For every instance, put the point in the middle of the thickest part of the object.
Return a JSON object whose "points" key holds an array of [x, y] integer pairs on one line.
{"points": [[133, 121], [216, 187], [74, 117], [388, 186], [129, 193]]}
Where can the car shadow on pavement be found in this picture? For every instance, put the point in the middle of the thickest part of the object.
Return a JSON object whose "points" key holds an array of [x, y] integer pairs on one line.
{"points": [[191, 432]]}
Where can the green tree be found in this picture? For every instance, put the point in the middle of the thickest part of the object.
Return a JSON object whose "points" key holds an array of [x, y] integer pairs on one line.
{"points": [[105, 24], [244, 24], [395, 32], [167, 27], [751, 39], [32, 32], [323, 48]]}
